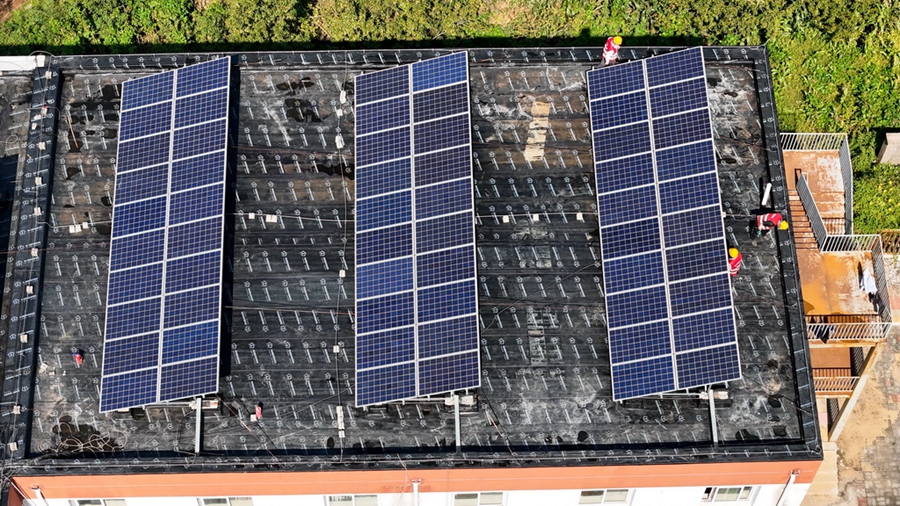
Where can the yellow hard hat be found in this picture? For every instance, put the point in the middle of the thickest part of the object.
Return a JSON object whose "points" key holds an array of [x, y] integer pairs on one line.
{"points": [[617, 39], [784, 225], [733, 252]]}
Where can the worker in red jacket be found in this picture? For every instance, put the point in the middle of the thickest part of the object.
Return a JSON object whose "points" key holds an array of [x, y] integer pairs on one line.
{"points": [[611, 50], [735, 259], [768, 221]]}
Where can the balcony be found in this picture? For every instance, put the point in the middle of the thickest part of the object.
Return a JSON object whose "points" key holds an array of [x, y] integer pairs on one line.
{"points": [[835, 264]]}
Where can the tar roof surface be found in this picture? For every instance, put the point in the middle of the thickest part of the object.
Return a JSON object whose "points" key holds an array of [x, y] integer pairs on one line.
{"points": [[545, 394]]}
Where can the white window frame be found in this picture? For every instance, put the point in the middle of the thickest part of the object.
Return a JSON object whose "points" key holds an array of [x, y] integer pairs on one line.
{"points": [[603, 496], [104, 502], [353, 498], [202, 500], [746, 494], [478, 498]]}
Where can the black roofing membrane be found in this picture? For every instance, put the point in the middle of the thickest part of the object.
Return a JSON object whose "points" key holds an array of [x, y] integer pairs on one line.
{"points": [[545, 395]]}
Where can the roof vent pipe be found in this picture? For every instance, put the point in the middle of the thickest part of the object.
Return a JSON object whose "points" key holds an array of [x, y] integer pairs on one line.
{"points": [[712, 418]]}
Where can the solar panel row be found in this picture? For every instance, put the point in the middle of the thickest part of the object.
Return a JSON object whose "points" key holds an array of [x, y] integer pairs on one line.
{"points": [[668, 298], [415, 269], [164, 293]]}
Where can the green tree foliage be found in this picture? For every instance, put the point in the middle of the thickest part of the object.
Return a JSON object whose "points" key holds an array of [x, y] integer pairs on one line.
{"points": [[835, 62]]}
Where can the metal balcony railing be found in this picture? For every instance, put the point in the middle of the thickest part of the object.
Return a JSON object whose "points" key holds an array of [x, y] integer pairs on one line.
{"points": [[843, 385], [831, 243], [869, 331], [891, 241], [828, 142]]}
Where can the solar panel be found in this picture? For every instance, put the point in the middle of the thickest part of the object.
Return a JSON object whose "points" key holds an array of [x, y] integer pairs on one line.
{"points": [[416, 307], [668, 294], [164, 293]]}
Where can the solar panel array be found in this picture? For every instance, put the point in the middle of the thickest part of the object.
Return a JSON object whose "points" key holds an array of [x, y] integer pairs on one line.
{"points": [[668, 294], [164, 293], [417, 327]]}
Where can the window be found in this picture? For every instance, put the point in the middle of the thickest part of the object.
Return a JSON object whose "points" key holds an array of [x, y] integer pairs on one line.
{"points": [[727, 494], [226, 501], [611, 496], [479, 499], [98, 502], [352, 500]]}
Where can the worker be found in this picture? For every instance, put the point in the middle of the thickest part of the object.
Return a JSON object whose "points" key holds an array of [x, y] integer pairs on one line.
{"points": [[611, 50], [768, 221], [735, 259]]}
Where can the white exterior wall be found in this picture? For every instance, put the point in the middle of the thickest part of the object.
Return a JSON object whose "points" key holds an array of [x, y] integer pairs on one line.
{"points": [[763, 495]]}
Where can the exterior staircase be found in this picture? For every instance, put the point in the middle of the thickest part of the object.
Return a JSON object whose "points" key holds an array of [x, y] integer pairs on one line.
{"points": [[804, 238]]}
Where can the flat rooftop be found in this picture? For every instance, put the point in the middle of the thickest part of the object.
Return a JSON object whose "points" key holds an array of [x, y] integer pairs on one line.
{"points": [[545, 395]]}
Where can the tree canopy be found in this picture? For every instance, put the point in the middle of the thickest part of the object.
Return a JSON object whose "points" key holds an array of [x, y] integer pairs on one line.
{"points": [[836, 63]]}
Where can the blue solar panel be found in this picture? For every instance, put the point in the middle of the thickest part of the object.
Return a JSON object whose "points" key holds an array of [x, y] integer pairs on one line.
{"points": [[621, 141], [445, 266], [442, 133], [680, 129], [373, 280], [133, 284], [703, 329], [195, 376], [135, 250], [625, 173], [393, 346], [678, 97], [630, 238], [189, 205], [453, 372], [686, 160], [143, 152], [145, 121], [446, 301], [382, 146], [190, 272], [441, 102], [628, 344], [645, 377], [689, 193], [445, 165], [693, 260], [148, 90], [708, 365], [631, 273], [191, 342], [617, 80], [443, 198], [441, 71], [385, 115], [448, 336], [385, 384], [383, 244], [203, 77], [164, 293], [661, 231], [384, 210], [135, 352], [444, 232], [140, 216], [676, 66], [198, 171], [381, 85], [383, 178], [195, 237], [629, 205], [415, 256], [621, 110], [202, 107], [142, 183]]}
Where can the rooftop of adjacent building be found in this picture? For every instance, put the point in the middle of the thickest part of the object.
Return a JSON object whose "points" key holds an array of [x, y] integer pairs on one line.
{"points": [[545, 394]]}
